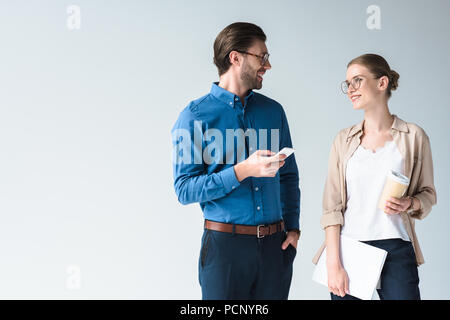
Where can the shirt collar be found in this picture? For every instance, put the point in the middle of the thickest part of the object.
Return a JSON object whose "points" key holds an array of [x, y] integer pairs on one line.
{"points": [[226, 96], [398, 125]]}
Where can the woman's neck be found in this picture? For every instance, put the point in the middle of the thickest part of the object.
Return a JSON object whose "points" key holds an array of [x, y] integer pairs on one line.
{"points": [[378, 120]]}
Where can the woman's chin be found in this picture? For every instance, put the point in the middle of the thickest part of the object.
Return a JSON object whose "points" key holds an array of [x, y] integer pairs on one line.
{"points": [[357, 106]]}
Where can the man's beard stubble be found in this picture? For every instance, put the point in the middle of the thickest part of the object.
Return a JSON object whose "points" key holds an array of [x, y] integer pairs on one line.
{"points": [[250, 78]]}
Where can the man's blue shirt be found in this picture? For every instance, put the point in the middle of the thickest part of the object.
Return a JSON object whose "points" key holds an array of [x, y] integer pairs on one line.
{"points": [[211, 180]]}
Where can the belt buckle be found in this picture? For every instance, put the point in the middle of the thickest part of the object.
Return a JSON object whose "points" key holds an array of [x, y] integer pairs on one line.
{"points": [[258, 235]]}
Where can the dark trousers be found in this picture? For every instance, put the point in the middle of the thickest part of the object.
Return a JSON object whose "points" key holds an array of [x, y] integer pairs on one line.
{"points": [[234, 266], [399, 277]]}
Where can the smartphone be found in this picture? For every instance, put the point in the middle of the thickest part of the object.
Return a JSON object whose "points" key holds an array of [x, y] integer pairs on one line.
{"points": [[286, 151]]}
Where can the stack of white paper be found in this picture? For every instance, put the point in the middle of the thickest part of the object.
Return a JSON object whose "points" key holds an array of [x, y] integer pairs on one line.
{"points": [[363, 264]]}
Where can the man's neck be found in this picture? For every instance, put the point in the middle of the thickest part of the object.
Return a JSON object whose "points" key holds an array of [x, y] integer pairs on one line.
{"points": [[232, 84]]}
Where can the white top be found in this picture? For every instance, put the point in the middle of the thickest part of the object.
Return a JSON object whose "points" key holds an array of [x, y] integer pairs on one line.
{"points": [[365, 177]]}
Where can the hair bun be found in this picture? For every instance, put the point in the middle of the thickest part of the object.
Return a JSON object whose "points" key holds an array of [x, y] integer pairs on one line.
{"points": [[394, 79]]}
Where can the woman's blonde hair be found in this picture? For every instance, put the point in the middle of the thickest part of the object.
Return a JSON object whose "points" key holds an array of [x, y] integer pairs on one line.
{"points": [[379, 67]]}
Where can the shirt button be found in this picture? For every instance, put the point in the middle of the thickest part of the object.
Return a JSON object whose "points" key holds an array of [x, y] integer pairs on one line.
{"points": [[258, 208], [256, 188], [233, 187], [236, 99], [231, 103]]}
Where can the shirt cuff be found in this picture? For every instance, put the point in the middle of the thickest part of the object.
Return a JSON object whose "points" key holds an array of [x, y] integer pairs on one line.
{"points": [[418, 214], [291, 221], [230, 182], [331, 219]]}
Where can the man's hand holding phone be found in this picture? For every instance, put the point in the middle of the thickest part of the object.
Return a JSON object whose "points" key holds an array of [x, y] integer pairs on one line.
{"points": [[261, 163]]}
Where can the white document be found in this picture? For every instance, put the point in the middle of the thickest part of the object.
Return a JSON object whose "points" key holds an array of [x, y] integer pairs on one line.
{"points": [[363, 264]]}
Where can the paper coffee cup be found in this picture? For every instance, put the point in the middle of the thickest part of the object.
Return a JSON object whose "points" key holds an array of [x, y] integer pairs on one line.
{"points": [[395, 186]]}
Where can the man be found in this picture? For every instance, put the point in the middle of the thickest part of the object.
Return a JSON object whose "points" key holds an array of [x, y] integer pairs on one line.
{"points": [[250, 198]]}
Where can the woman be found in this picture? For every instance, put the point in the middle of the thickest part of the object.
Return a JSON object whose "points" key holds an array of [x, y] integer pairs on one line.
{"points": [[360, 158]]}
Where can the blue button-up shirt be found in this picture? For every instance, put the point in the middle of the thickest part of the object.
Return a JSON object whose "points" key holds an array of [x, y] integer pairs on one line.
{"points": [[212, 182]]}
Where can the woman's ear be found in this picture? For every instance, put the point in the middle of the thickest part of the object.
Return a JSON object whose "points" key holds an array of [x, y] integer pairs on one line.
{"points": [[383, 83]]}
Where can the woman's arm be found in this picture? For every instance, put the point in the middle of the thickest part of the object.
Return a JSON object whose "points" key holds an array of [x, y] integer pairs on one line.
{"points": [[331, 221], [337, 276], [332, 194], [425, 192], [332, 236], [425, 196]]}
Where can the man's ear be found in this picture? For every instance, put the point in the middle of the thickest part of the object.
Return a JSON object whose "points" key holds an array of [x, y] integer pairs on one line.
{"points": [[235, 58], [383, 83]]}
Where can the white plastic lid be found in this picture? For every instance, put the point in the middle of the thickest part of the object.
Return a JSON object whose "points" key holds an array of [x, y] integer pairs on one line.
{"points": [[397, 176]]}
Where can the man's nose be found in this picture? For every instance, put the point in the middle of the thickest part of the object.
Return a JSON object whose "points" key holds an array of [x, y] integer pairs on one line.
{"points": [[267, 65]]}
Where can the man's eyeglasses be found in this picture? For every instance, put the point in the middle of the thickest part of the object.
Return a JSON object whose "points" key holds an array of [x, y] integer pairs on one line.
{"points": [[263, 58], [355, 83]]}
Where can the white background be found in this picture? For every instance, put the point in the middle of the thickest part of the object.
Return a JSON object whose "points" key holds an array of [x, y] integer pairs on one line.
{"points": [[85, 119]]}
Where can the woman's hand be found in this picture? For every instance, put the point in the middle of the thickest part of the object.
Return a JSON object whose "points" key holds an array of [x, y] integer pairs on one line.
{"points": [[337, 281], [398, 205]]}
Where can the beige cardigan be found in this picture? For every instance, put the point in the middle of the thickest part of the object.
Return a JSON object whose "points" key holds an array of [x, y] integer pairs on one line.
{"points": [[414, 145]]}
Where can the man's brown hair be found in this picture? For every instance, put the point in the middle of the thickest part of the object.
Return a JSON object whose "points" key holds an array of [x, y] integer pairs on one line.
{"points": [[238, 36]]}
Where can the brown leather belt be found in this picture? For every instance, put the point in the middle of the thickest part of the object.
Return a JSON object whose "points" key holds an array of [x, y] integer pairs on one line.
{"points": [[259, 231]]}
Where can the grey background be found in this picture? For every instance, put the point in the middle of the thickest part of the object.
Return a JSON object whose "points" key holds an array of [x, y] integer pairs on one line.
{"points": [[85, 119]]}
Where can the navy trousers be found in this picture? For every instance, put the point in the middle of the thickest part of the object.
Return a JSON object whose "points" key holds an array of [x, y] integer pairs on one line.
{"points": [[399, 277], [235, 266]]}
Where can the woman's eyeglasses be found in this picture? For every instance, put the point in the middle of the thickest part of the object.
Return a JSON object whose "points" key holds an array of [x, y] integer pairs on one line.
{"points": [[355, 83]]}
